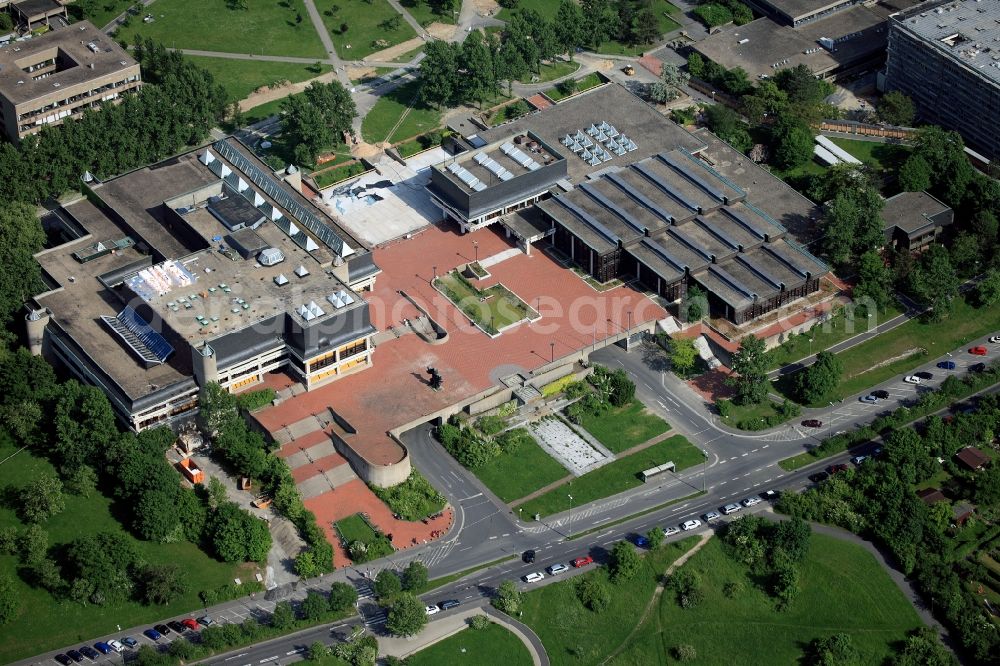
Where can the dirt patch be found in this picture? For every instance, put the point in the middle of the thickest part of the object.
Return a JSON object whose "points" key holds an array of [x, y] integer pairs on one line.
{"points": [[363, 150], [397, 50], [441, 30], [486, 7], [264, 95], [898, 357]]}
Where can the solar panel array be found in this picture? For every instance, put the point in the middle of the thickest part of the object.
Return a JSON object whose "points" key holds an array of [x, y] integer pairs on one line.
{"points": [[519, 156], [466, 177], [493, 166], [599, 143], [148, 345], [271, 187]]}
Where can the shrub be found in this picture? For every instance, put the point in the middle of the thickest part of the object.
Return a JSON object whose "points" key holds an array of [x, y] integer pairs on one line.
{"points": [[713, 15], [684, 652], [593, 593], [480, 622]]}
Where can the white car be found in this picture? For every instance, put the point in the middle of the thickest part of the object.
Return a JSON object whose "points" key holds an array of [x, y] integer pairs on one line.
{"points": [[432, 609], [911, 379], [731, 508], [670, 531], [995, 339], [533, 577], [692, 524], [557, 569], [711, 515], [116, 646], [751, 501]]}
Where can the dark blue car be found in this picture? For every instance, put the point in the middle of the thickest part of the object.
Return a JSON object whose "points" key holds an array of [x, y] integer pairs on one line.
{"points": [[152, 634], [946, 365], [103, 647], [640, 541]]}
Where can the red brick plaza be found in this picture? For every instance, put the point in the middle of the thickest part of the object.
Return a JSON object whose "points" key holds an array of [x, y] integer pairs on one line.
{"points": [[395, 390]]}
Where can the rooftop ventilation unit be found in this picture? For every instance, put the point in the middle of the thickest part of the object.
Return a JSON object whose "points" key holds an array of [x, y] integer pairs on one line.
{"points": [[301, 271], [270, 256]]}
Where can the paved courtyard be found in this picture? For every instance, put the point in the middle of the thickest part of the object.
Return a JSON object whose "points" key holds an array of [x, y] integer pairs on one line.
{"points": [[576, 454]]}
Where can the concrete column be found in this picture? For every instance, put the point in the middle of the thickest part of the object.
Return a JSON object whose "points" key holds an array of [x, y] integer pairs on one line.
{"points": [[205, 364], [35, 322]]}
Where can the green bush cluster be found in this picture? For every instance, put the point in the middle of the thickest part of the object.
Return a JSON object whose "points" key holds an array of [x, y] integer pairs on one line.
{"points": [[771, 550], [414, 499], [473, 448], [782, 412]]}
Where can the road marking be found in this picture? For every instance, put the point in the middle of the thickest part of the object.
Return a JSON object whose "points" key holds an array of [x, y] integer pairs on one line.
{"points": [[754, 450], [765, 446], [470, 497], [290, 653], [723, 462], [242, 654], [264, 661], [660, 403], [744, 455]]}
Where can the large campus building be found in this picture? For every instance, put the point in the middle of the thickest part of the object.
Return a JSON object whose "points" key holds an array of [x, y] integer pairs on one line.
{"points": [[206, 267], [626, 194], [60, 75], [946, 57]]}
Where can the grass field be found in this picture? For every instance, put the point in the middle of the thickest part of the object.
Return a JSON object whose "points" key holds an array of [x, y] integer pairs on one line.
{"points": [[365, 24], [103, 12], [44, 623], [331, 176], [514, 475], [271, 27], [615, 477], [584, 83], [547, 9], [742, 414], [743, 630], [882, 156], [421, 11], [492, 308], [963, 325], [621, 428], [493, 645], [242, 77], [380, 124], [550, 71], [354, 528], [663, 10], [839, 328], [408, 56]]}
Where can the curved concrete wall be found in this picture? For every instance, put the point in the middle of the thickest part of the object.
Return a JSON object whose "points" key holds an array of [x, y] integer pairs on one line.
{"points": [[383, 476]]}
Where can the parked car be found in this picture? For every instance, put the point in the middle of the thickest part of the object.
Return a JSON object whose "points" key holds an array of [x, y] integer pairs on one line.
{"points": [[557, 569], [978, 350], [692, 524], [103, 647], [129, 641], [528, 556], [152, 634], [819, 477], [946, 365], [731, 508], [995, 339], [869, 399], [176, 626], [448, 604], [924, 375], [206, 621], [977, 367], [751, 501], [857, 460], [190, 623], [63, 659], [812, 423], [89, 652], [533, 577], [639, 540], [74, 655], [836, 469], [881, 394], [432, 609], [163, 629], [670, 531], [116, 646], [771, 495], [911, 379], [711, 515], [582, 561]]}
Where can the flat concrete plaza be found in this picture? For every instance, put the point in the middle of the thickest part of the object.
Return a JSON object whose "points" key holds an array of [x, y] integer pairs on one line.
{"points": [[576, 454]]}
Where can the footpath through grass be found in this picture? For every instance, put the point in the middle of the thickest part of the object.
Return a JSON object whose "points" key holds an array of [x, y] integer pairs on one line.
{"points": [[621, 428], [380, 124], [514, 475], [242, 77], [366, 22], [493, 645], [43, 623], [746, 629], [269, 27], [613, 478]]}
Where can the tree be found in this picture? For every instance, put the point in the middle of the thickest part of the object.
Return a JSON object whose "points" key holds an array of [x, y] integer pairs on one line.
{"points": [[568, 27], [750, 371], [896, 108], [387, 584], [342, 597], [85, 424], [683, 355], [594, 593], [336, 105], [767, 100], [238, 536], [696, 302], [874, 282], [624, 562], [853, 223], [283, 616], [82, 481], [805, 92], [507, 599], [667, 87], [985, 225], [922, 648], [155, 516], [835, 650], [21, 236], [317, 651], [406, 615], [655, 537], [965, 254], [162, 583], [439, 73], [696, 65], [951, 171], [414, 576], [32, 544], [816, 381], [933, 281], [10, 601], [915, 174], [727, 124], [988, 289], [305, 127], [305, 564], [41, 499], [792, 140], [621, 388], [476, 59], [102, 567], [314, 606]]}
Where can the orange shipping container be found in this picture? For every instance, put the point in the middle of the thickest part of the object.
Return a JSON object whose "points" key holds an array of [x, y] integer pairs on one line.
{"points": [[191, 471]]}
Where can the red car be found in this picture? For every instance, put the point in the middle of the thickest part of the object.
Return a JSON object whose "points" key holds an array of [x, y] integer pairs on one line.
{"points": [[582, 561], [978, 351], [190, 624], [834, 469]]}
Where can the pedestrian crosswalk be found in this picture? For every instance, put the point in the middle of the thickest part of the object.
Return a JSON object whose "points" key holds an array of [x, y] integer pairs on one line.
{"points": [[372, 614]]}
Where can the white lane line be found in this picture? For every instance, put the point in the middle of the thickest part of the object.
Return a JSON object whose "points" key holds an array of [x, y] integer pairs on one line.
{"points": [[765, 446], [744, 455]]}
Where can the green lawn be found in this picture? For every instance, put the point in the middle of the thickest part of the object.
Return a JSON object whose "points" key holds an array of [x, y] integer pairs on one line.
{"points": [[271, 27], [493, 645], [963, 325], [865, 604], [242, 77], [615, 477], [621, 428], [408, 56], [354, 528], [44, 623], [331, 176], [382, 123], [422, 12], [550, 71], [663, 10], [574, 635], [514, 475], [747, 417], [365, 21], [492, 308], [262, 111], [882, 156], [547, 9], [102, 13], [839, 328], [584, 83]]}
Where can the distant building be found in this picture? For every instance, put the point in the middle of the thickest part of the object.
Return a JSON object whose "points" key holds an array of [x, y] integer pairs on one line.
{"points": [[29, 14], [931, 496], [945, 57], [972, 458], [913, 220], [60, 75]]}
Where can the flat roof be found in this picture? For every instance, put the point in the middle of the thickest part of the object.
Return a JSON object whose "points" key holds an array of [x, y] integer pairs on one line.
{"points": [[799, 9], [73, 44], [37, 7], [966, 31], [651, 131], [910, 211], [504, 159]]}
